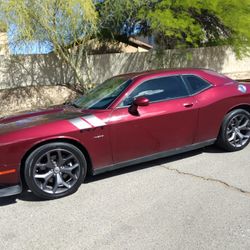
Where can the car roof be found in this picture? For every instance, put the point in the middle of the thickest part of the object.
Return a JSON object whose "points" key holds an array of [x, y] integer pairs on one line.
{"points": [[210, 75]]}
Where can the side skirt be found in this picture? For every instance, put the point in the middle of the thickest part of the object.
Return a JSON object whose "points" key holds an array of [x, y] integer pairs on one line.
{"points": [[12, 190], [154, 156]]}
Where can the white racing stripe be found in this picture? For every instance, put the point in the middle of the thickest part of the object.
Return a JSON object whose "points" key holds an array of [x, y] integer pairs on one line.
{"points": [[93, 120], [80, 123]]}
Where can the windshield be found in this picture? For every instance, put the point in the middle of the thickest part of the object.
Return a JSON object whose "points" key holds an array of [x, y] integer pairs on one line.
{"points": [[104, 94]]}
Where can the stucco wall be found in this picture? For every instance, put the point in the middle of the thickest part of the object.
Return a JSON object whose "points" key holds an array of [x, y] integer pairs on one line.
{"points": [[28, 98], [16, 71], [3, 44], [28, 82]]}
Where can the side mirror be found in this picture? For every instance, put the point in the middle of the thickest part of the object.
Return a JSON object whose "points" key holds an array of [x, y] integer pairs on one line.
{"points": [[139, 101]]}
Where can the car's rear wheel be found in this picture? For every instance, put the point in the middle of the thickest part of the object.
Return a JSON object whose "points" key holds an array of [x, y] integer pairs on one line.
{"points": [[55, 170], [235, 130]]}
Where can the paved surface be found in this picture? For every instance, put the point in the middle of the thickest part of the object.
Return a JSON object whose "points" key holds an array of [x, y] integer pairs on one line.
{"points": [[198, 200]]}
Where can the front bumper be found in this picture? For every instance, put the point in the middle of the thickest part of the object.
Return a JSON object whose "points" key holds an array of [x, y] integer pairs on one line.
{"points": [[10, 190], [10, 182]]}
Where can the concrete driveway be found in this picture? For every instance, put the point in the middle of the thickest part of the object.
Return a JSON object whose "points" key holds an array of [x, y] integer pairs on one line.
{"points": [[197, 200]]}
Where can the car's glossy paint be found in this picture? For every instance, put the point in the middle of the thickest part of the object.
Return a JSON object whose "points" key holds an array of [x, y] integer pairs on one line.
{"points": [[120, 136], [168, 123]]}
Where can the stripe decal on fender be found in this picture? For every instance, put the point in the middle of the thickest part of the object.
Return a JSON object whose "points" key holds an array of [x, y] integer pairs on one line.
{"points": [[94, 121], [80, 123], [87, 121]]}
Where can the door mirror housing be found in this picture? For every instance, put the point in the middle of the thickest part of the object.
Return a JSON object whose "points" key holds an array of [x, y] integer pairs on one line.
{"points": [[139, 101]]}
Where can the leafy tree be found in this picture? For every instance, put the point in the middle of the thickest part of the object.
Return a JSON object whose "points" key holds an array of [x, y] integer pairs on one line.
{"points": [[2, 27], [194, 23], [182, 23], [114, 14], [70, 24], [67, 24]]}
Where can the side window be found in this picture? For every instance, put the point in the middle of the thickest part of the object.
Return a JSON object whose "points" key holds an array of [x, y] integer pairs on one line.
{"points": [[158, 89], [196, 84]]}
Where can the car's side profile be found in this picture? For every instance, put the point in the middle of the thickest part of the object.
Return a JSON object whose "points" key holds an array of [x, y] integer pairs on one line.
{"points": [[128, 119]]}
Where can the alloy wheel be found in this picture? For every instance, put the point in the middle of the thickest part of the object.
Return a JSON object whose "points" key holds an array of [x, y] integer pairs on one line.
{"points": [[56, 171], [238, 130]]}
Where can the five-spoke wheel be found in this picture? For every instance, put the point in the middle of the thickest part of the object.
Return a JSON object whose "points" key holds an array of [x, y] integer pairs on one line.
{"points": [[55, 170], [235, 130]]}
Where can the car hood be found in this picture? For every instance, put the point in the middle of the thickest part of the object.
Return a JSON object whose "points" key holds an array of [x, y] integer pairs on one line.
{"points": [[38, 117]]}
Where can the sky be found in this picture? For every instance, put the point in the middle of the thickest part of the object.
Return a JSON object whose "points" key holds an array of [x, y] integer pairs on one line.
{"points": [[45, 47], [21, 48], [36, 47]]}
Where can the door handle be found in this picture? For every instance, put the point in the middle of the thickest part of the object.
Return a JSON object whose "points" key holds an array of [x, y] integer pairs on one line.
{"points": [[188, 105]]}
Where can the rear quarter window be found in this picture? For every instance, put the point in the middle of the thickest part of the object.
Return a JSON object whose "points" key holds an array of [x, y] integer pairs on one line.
{"points": [[195, 83]]}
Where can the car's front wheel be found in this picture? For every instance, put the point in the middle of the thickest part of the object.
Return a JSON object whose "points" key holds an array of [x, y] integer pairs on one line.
{"points": [[235, 130], [55, 170]]}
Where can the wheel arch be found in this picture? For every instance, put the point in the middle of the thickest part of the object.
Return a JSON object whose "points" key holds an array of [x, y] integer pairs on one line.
{"points": [[66, 140], [241, 106], [221, 141]]}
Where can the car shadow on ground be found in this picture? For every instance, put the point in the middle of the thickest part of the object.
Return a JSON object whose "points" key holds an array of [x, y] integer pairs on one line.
{"points": [[26, 195], [210, 149]]}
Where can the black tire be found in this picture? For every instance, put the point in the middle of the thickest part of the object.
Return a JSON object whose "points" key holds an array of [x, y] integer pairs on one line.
{"points": [[55, 170], [235, 131]]}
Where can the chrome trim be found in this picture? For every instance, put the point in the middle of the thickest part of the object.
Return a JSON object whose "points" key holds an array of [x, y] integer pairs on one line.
{"points": [[154, 156], [242, 88]]}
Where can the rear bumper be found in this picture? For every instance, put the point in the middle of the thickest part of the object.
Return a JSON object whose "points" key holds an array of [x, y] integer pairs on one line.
{"points": [[10, 190]]}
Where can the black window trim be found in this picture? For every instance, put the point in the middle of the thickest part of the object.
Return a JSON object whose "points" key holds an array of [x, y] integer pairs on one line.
{"points": [[210, 85], [163, 100], [131, 81]]}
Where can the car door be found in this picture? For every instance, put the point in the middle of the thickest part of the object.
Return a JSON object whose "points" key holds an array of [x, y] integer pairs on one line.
{"points": [[209, 103], [168, 122]]}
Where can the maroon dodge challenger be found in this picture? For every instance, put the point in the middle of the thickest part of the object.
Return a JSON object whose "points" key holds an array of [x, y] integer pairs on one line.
{"points": [[128, 119]]}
